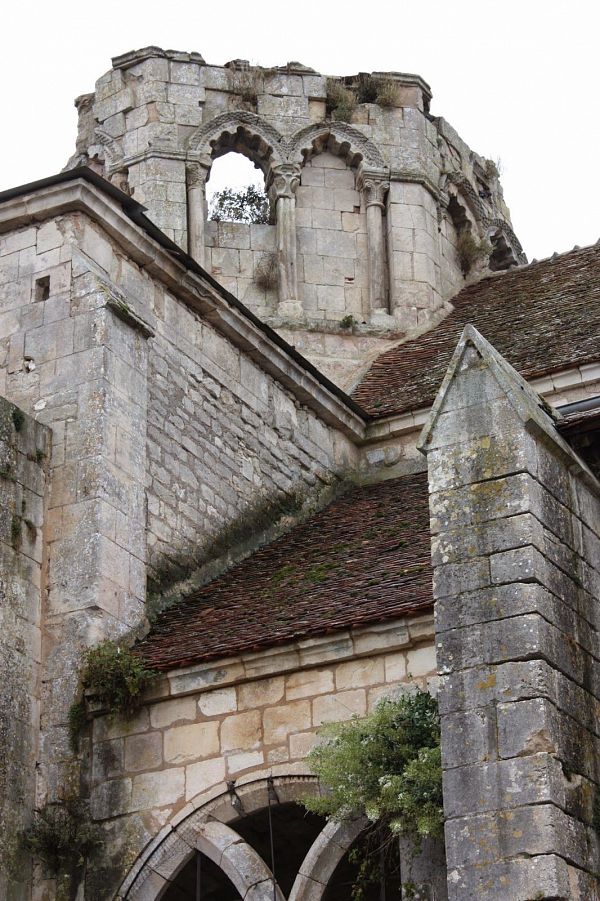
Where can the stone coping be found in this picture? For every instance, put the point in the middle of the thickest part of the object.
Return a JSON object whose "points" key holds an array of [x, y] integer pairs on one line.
{"points": [[305, 654], [133, 57]]}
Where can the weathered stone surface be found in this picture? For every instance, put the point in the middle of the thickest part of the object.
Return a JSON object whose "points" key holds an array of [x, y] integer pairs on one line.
{"points": [[516, 638], [184, 743], [22, 485], [149, 127]]}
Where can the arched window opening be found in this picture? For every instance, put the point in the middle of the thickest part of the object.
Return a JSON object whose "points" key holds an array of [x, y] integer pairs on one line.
{"points": [[213, 885], [235, 191], [293, 831], [458, 214], [384, 882]]}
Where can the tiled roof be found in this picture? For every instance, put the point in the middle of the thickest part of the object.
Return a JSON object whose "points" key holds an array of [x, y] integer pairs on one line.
{"points": [[543, 318], [365, 558]]}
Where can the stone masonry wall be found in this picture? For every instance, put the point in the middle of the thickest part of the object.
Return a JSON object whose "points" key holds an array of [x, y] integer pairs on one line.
{"points": [[24, 452], [515, 524], [365, 211], [223, 439], [161, 440], [238, 719], [332, 253], [70, 362]]}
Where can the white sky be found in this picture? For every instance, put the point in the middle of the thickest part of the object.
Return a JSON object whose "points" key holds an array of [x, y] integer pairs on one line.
{"points": [[518, 79]]}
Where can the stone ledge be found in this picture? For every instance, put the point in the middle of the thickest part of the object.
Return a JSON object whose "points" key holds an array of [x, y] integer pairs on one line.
{"points": [[304, 654]]}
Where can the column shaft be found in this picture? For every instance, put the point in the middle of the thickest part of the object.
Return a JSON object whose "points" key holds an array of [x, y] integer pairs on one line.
{"points": [[196, 213], [286, 179]]}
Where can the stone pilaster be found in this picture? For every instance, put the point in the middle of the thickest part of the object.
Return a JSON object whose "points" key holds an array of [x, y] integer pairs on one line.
{"points": [[515, 522], [24, 455], [196, 175], [285, 180], [374, 186]]}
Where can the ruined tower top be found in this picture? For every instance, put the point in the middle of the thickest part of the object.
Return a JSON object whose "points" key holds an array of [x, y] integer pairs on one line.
{"points": [[379, 211]]}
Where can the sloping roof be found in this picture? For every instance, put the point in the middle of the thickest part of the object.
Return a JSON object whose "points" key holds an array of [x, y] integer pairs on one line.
{"points": [[365, 558], [543, 318]]}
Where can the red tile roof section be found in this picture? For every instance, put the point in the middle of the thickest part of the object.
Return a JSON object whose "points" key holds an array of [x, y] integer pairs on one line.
{"points": [[363, 559], [543, 318]]}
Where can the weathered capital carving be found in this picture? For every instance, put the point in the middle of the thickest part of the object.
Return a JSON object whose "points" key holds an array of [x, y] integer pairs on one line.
{"points": [[196, 174], [374, 184], [285, 180]]}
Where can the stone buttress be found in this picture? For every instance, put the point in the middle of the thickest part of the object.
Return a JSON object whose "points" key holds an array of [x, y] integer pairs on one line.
{"points": [[515, 523]]}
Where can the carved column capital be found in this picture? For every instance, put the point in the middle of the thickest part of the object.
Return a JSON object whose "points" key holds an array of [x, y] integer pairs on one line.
{"points": [[196, 173], [374, 184], [285, 179]]}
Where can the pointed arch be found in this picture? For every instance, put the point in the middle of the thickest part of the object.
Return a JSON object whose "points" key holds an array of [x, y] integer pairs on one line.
{"points": [[239, 131], [337, 137], [323, 857], [206, 830], [220, 843]]}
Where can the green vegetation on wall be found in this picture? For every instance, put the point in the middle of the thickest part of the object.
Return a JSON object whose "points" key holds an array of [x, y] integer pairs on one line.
{"points": [[386, 767]]}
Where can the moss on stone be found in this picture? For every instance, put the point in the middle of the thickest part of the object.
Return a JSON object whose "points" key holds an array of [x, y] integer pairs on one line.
{"points": [[18, 418]]}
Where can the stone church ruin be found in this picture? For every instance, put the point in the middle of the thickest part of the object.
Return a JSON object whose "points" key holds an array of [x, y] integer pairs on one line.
{"points": [[376, 470]]}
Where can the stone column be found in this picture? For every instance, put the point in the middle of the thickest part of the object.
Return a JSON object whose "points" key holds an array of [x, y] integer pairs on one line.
{"points": [[374, 186], [285, 180], [515, 524], [196, 174]]}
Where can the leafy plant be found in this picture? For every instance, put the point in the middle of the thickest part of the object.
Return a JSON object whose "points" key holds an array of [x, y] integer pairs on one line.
{"points": [[266, 274], [62, 835], [470, 251], [371, 89], [386, 767], [340, 101], [367, 87], [115, 676], [348, 321], [250, 205], [387, 93]]}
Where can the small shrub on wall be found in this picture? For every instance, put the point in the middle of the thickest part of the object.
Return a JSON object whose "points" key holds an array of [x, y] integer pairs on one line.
{"points": [[388, 768], [341, 101], [115, 677], [470, 250], [62, 836], [266, 275]]}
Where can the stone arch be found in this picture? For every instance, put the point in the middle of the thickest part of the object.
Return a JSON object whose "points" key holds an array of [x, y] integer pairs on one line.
{"points": [[323, 857], [467, 194], [113, 152], [206, 830], [239, 132], [506, 247], [337, 137], [220, 843]]}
